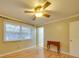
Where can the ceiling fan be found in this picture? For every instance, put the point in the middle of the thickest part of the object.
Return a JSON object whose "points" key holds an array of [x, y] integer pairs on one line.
{"points": [[39, 10]]}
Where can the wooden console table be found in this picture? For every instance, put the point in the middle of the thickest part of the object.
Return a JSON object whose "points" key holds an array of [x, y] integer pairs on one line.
{"points": [[55, 43]]}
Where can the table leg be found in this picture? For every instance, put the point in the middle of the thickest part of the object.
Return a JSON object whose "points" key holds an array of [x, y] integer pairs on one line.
{"points": [[58, 49], [48, 46]]}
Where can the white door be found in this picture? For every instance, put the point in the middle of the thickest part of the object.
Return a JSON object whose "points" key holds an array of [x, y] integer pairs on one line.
{"points": [[74, 38], [41, 37]]}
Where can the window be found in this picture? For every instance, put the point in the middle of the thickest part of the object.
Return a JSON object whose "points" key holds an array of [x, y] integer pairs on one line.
{"points": [[15, 32], [26, 32]]}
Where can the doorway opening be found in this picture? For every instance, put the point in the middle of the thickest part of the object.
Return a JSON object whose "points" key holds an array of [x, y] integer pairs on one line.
{"points": [[40, 37]]}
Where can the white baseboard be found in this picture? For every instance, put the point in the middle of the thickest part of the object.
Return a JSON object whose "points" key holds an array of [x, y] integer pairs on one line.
{"points": [[17, 51]]}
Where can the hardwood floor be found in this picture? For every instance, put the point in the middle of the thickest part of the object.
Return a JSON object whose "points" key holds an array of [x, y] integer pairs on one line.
{"points": [[37, 53]]}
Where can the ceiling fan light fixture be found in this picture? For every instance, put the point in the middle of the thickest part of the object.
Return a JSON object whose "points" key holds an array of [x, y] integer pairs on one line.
{"points": [[39, 9], [39, 14]]}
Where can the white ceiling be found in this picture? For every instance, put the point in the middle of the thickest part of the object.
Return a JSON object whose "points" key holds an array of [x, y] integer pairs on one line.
{"points": [[59, 9]]}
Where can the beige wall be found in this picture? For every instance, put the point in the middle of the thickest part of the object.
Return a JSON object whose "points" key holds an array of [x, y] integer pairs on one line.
{"points": [[13, 46], [59, 31]]}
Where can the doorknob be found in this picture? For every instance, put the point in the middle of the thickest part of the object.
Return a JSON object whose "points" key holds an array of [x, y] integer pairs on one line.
{"points": [[71, 40]]}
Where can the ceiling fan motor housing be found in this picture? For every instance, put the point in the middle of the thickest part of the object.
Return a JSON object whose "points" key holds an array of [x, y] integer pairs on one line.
{"points": [[38, 8]]}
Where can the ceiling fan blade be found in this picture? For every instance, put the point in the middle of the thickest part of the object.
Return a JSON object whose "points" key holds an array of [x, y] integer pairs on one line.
{"points": [[46, 4], [28, 11], [46, 15], [34, 18]]}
